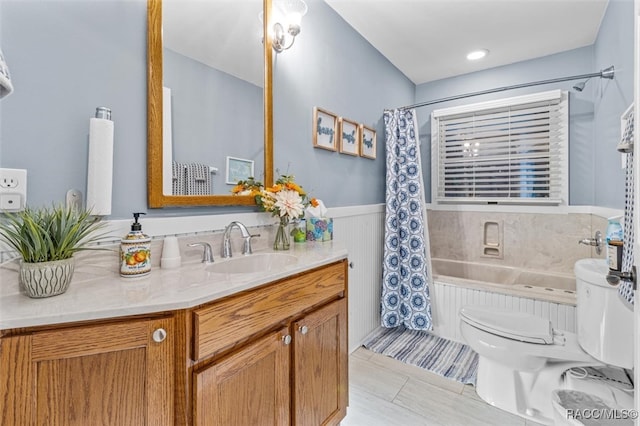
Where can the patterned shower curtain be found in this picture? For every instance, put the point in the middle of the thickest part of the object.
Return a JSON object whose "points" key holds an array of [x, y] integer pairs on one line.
{"points": [[406, 276], [625, 289]]}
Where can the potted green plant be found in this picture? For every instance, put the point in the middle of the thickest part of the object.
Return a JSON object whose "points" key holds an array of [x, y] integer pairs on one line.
{"points": [[46, 239]]}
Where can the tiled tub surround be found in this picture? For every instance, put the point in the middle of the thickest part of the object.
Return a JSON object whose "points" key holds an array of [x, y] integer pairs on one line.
{"points": [[530, 241], [97, 291], [534, 273]]}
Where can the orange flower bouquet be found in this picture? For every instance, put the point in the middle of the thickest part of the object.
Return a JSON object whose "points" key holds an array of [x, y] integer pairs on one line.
{"points": [[286, 200]]}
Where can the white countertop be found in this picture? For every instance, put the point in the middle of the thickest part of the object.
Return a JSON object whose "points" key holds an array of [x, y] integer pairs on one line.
{"points": [[97, 291]]}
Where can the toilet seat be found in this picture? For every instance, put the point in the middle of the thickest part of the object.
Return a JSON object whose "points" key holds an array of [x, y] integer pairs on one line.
{"points": [[509, 324]]}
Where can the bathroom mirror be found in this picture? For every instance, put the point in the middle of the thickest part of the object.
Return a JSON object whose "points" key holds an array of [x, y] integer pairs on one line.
{"points": [[162, 115]]}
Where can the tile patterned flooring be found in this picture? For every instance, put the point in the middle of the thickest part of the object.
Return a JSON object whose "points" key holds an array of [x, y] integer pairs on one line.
{"points": [[387, 392]]}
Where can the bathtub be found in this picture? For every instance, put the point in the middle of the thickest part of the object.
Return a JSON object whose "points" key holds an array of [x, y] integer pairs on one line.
{"points": [[458, 283]]}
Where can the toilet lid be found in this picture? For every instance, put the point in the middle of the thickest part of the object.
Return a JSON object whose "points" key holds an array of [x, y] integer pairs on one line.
{"points": [[512, 325]]}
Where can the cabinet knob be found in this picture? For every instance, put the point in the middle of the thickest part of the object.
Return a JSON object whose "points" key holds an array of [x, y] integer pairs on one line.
{"points": [[159, 335], [286, 339], [304, 329]]}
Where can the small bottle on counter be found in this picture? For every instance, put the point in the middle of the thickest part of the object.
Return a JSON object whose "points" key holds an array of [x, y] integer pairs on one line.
{"points": [[135, 251]]}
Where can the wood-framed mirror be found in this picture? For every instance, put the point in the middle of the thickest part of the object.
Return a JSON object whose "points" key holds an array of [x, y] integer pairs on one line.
{"points": [[158, 196]]}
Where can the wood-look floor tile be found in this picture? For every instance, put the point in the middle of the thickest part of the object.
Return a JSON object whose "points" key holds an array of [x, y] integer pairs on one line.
{"points": [[361, 353], [416, 372], [441, 406], [366, 409], [374, 379], [470, 391]]}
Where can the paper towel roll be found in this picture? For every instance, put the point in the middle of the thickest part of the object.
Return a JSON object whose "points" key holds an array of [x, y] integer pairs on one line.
{"points": [[100, 166]]}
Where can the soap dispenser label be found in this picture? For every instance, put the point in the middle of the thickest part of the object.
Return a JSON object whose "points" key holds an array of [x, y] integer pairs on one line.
{"points": [[135, 259]]}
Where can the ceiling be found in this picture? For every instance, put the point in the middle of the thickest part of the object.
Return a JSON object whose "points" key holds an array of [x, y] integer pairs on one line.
{"points": [[429, 39], [224, 34], [425, 39]]}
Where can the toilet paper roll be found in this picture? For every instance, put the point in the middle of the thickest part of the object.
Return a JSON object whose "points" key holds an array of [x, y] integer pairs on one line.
{"points": [[100, 166]]}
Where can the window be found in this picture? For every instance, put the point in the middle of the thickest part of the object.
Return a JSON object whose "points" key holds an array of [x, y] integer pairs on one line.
{"points": [[512, 150]]}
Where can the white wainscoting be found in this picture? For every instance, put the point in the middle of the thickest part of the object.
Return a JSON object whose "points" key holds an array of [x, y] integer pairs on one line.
{"points": [[362, 233], [449, 298]]}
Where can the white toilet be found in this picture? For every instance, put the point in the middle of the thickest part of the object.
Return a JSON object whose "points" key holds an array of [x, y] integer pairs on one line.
{"points": [[522, 358]]}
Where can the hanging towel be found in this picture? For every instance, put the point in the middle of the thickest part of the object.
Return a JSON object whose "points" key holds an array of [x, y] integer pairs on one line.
{"points": [[5, 79], [625, 289], [178, 181], [198, 179]]}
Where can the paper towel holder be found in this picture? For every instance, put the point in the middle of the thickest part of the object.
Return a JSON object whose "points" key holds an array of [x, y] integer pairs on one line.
{"points": [[103, 112], [100, 163]]}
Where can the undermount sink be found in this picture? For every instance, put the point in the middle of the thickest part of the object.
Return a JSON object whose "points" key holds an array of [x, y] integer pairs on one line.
{"points": [[260, 262]]}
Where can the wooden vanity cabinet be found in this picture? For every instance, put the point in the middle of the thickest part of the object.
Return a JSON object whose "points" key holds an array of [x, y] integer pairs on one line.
{"points": [[276, 355], [273, 355], [119, 373], [320, 374], [250, 387]]}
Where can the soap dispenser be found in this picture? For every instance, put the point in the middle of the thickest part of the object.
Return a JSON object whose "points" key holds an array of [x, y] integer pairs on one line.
{"points": [[135, 251]]}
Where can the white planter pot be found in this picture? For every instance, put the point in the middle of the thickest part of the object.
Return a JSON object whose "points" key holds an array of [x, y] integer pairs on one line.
{"points": [[46, 279]]}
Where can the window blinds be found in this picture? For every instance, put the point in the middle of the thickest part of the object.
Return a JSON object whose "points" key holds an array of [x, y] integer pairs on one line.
{"points": [[509, 151]]}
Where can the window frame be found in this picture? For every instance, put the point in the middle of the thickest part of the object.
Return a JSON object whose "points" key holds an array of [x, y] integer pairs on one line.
{"points": [[562, 156]]}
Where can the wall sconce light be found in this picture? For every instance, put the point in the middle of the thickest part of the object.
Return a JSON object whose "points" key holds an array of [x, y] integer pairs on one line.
{"points": [[5, 80], [286, 15]]}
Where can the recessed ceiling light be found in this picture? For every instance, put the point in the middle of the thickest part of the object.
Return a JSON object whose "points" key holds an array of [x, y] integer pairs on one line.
{"points": [[477, 54]]}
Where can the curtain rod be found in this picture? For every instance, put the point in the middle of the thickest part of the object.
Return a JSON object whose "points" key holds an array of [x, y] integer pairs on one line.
{"points": [[605, 73]]}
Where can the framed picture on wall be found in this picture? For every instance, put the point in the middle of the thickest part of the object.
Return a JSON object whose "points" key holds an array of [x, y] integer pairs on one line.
{"points": [[367, 142], [325, 129], [349, 137], [238, 169]]}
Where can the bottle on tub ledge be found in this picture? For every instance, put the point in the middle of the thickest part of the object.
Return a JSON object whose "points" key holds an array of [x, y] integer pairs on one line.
{"points": [[614, 243], [135, 251]]}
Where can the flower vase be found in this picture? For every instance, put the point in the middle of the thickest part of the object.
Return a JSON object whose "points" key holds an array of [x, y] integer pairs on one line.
{"points": [[282, 235]]}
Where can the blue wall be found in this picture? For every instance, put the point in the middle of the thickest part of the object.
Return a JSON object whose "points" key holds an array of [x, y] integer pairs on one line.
{"points": [[331, 66], [614, 46], [67, 57], [594, 113], [214, 115]]}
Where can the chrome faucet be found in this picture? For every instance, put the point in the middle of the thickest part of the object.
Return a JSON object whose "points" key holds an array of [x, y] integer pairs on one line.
{"points": [[226, 239], [207, 254]]}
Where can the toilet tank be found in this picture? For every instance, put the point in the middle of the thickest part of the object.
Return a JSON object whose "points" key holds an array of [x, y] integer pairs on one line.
{"points": [[605, 324]]}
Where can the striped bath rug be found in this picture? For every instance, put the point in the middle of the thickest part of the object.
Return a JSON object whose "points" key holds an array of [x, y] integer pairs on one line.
{"points": [[447, 358]]}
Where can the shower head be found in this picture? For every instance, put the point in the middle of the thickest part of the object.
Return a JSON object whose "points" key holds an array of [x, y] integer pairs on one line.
{"points": [[579, 87]]}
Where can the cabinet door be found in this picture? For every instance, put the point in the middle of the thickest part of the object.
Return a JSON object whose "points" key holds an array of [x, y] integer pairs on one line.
{"points": [[249, 387], [109, 374], [320, 366]]}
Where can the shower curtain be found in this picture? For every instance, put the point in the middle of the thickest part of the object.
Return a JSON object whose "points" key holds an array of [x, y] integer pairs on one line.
{"points": [[406, 275]]}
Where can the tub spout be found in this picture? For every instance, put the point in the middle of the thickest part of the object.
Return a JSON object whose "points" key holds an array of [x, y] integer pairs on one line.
{"points": [[596, 242]]}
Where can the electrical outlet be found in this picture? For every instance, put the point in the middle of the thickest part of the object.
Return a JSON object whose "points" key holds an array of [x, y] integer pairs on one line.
{"points": [[10, 202], [13, 189]]}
